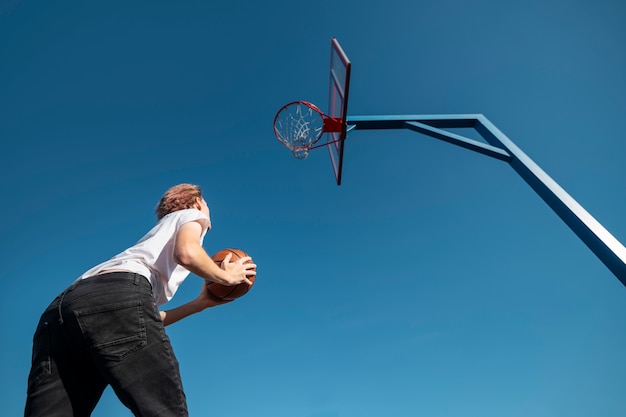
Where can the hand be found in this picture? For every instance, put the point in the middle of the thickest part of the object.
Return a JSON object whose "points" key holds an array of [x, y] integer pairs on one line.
{"points": [[207, 300], [239, 270]]}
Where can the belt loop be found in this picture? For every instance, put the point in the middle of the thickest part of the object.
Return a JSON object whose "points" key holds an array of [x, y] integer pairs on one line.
{"points": [[60, 305]]}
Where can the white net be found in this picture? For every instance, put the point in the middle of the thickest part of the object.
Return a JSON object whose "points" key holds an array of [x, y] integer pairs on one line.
{"points": [[299, 125]]}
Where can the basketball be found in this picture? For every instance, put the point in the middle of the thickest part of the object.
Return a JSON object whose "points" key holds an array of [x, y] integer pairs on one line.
{"points": [[226, 292]]}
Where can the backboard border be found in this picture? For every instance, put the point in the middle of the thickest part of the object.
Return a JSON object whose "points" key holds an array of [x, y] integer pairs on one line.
{"points": [[338, 142]]}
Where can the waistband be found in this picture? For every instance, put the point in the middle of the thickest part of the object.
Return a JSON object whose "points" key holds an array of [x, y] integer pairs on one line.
{"points": [[118, 276]]}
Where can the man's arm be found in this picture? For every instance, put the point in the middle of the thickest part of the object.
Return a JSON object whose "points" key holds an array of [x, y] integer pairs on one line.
{"points": [[203, 301], [190, 254]]}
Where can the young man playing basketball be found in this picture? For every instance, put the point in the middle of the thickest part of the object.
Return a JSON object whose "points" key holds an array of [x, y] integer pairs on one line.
{"points": [[105, 329]]}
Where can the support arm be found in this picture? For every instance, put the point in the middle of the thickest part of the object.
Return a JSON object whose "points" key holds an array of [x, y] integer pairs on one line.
{"points": [[604, 245]]}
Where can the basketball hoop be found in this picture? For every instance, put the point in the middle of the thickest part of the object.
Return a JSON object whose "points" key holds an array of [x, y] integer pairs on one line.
{"points": [[300, 124]]}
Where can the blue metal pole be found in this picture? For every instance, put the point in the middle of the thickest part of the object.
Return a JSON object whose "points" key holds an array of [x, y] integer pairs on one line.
{"points": [[602, 243]]}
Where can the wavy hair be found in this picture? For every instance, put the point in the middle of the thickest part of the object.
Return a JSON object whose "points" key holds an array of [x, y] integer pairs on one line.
{"points": [[179, 197]]}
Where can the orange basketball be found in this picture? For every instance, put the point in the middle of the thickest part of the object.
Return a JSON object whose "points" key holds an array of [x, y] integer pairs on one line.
{"points": [[229, 292]]}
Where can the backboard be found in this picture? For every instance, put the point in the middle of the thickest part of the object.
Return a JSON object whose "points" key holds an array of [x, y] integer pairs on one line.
{"points": [[339, 84]]}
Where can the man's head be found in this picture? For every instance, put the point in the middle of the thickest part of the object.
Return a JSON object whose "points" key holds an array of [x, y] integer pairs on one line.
{"points": [[179, 197]]}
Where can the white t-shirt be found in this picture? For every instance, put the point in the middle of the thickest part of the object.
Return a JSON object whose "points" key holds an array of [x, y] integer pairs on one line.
{"points": [[153, 255]]}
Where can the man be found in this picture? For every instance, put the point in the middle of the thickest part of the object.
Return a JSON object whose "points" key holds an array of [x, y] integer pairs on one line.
{"points": [[105, 329]]}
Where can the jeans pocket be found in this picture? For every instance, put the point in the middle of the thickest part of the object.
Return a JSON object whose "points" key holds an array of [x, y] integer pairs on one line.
{"points": [[113, 331], [41, 367]]}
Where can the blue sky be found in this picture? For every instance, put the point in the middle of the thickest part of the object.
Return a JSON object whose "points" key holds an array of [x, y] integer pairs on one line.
{"points": [[432, 282]]}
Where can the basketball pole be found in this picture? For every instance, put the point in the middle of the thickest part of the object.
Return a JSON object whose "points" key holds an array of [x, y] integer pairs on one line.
{"points": [[602, 243]]}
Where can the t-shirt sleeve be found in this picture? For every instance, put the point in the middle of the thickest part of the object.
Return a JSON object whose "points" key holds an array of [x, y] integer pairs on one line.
{"points": [[192, 215]]}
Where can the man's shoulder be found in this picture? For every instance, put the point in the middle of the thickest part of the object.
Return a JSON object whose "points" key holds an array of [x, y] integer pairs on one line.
{"points": [[184, 216]]}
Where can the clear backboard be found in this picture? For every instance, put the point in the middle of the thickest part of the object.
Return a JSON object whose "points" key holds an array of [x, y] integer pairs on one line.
{"points": [[339, 84]]}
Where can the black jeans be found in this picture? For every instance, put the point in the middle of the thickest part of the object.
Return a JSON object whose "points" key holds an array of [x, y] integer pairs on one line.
{"points": [[105, 330]]}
